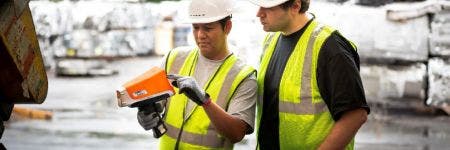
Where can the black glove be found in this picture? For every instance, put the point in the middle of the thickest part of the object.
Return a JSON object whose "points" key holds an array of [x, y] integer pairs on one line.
{"points": [[149, 117], [147, 120], [190, 88]]}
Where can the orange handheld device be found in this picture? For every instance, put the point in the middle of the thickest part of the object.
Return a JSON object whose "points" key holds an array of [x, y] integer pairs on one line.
{"points": [[144, 91]]}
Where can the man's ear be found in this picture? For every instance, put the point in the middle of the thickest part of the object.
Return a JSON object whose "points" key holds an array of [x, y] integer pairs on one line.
{"points": [[296, 6], [228, 26]]}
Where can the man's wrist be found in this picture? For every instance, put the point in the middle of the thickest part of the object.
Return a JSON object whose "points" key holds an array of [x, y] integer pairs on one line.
{"points": [[207, 102]]}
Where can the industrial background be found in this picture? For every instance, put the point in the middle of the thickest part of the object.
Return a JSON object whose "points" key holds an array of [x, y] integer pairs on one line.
{"points": [[90, 48]]}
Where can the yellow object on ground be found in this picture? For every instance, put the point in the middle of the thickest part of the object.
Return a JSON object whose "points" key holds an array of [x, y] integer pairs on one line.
{"points": [[32, 113]]}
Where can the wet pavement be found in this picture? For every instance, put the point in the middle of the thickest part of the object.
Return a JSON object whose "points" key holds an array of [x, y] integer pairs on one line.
{"points": [[86, 116], [404, 132]]}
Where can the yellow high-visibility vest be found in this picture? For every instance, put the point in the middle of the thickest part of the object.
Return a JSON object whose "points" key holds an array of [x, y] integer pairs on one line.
{"points": [[305, 120], [196, 131]]}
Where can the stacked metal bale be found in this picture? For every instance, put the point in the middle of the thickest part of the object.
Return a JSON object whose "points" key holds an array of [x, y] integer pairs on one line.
{"points": [[439, 63], [52, 23], [93, 29]]}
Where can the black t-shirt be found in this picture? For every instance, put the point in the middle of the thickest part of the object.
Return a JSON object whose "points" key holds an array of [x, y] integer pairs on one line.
{"points": [[338, 79]]}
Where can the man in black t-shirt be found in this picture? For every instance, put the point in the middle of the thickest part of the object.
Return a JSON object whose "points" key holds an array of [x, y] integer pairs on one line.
{"points": [[311, 94]]}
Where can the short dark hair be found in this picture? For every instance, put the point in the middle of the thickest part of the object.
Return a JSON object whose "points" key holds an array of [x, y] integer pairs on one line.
{"points": [[304, 7], [224, 21]]}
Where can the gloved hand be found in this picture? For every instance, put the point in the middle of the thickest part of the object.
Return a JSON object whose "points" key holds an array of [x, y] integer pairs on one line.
{"points": [[147, 121], [148, 116], [190, 88]]}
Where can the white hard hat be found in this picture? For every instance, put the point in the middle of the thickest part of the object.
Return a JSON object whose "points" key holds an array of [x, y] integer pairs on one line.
{"points": [[206, 11], [267, 3]]}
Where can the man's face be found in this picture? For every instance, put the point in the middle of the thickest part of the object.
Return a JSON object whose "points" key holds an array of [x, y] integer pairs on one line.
{"points": [[273, 19], [210, 37]]}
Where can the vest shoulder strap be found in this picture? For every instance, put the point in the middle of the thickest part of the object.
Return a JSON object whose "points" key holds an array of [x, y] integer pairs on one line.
{"points": [[176, 57]]}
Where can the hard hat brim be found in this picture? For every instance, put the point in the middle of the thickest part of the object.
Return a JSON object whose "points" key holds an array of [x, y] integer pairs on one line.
{"points": [[267, 4], [206, 20]]}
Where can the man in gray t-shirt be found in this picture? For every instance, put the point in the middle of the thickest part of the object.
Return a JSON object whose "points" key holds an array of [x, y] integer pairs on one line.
{"points": [[214, 106]]}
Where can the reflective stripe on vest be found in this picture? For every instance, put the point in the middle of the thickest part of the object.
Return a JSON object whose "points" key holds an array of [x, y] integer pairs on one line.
{"points": [[290, 82], [208, 140], [197, 131], [305, 120]]}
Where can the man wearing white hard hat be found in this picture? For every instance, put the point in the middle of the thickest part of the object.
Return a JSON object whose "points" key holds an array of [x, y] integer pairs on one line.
{"points": [[311, 91], [216, 91]]}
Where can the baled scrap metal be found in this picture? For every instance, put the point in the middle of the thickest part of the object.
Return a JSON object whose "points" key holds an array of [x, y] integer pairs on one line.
{"points": [[114, 43], [52, 18], [125, 42], [52, 22], [83, 42], [133, 16], [78, 29], [439, 81], [139, 41], [104, 16], [54, 47], [387, 82], [24, 79], [89, 14], [91, 43], [440, 34], [375, 36], [406, 11], [440, 24]]}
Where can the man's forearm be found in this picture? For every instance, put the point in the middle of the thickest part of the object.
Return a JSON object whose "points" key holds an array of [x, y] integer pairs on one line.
{"points": [[229, 126], [344, 129]]}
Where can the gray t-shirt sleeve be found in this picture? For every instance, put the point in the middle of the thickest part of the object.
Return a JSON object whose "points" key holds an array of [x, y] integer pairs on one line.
{"points": [[243, 103]]}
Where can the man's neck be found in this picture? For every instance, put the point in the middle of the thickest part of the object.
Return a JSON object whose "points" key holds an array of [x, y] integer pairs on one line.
{"points": [[297, 23], [217, 56]]}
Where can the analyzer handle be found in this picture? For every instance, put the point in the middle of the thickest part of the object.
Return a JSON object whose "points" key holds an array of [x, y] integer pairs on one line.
{"points": [[160, 128]]}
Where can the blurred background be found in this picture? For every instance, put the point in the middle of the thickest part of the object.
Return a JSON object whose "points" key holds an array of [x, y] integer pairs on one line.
{"points": [[90, 48]]}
